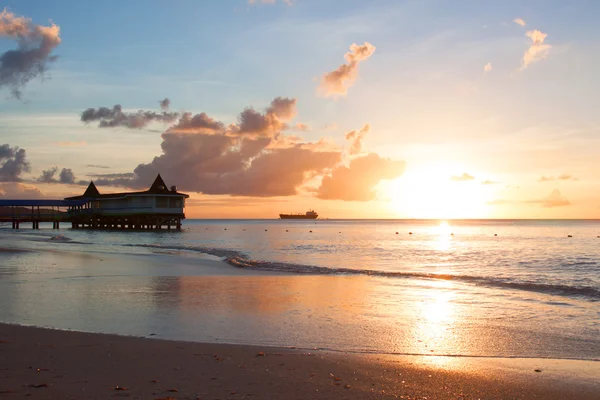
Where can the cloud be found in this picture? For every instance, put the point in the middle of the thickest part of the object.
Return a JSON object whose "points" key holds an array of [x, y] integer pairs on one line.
{"points": [[337, 82], [462, 178], [200, 154], [13, 162], [554, 199], [97, 166], [110, 118], [189, 123], [15, 190], [357, 181], [538, 50], [356, 138], [563, 177], [164, 104], [302, 127], [487, 67], [519, 21], [488, 182], [30, 60], [72, 144], [66, 176]]}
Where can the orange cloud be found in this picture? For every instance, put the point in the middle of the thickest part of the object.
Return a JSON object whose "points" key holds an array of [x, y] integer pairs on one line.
{"points": [[554, 199], [357, 181], [337, 82], [487, 67], [249, 158], [302, 127], [538, 50], [356, 137], [519, 21], [462, 178], [15, 190], [563, 177]]}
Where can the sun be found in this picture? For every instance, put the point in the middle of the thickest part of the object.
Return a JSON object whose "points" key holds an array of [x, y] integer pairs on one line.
{"points": [[429, 192]]}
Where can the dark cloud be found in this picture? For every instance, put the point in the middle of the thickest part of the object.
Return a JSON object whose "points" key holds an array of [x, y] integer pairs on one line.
{"points": [[47, 176], [270, 123], [30, 60], [15, 190], [165, 104], [65, 176], [189, 123], [114, 117], [462, 178], [357, 181], [13, 161], [356, 138], [337, 82]]}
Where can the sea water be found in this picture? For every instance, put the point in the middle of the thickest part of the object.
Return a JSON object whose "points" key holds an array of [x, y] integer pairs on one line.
{"points": [[496, 288]]}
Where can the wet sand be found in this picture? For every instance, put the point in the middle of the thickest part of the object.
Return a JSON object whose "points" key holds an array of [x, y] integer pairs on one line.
{"points": [[51, 364]]}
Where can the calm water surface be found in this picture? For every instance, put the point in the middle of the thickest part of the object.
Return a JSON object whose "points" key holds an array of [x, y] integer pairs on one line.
{"points": [[471, 288]]}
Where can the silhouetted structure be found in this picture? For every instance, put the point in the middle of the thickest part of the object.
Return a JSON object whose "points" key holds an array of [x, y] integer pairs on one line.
{"points": [[151, 209]]}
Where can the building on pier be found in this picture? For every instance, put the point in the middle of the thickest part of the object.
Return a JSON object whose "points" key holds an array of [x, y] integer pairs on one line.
{"points": [[153, 209], [156, 208]]}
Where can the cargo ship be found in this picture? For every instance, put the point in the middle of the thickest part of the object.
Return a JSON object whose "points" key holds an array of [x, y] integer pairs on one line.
{"points": [[307, 215]]}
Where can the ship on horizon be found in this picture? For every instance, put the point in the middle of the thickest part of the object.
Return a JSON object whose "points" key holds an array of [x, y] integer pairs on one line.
{"points": [[307, 215]]}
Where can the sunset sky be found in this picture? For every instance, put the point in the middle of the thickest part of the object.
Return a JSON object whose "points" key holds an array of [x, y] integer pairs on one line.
{"points": [[357, 109]]}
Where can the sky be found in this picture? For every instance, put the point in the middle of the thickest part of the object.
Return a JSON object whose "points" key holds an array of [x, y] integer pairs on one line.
{"points": [[356, 109]]}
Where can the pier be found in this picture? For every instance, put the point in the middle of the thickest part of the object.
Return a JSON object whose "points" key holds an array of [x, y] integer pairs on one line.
{"points": [[157, 208]]}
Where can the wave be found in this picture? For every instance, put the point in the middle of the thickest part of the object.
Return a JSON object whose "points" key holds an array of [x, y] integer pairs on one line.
{"points": [[240, 260]]}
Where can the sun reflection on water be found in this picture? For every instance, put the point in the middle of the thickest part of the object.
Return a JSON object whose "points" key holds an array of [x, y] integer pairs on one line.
{"points": [[444, 236], [436, 319]]}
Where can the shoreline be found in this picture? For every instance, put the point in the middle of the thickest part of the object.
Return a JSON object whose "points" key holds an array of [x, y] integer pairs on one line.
{"points": [[65, 364]]}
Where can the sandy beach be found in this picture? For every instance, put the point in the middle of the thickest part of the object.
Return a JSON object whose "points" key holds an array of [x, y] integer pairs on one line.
{"points": [[51, 364]]}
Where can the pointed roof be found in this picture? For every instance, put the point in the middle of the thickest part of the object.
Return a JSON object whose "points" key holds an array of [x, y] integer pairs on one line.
{"points": [[159, 186], [91, 191]]}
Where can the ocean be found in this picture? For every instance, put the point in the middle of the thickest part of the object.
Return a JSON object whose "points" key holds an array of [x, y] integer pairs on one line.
{"points": [[473, 288]]}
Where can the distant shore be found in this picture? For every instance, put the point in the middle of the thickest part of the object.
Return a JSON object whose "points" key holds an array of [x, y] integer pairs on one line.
{"points": [[44, 363]]}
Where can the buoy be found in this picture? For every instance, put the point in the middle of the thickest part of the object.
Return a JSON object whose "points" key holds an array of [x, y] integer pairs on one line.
{"points": [[396, 233], [569, 235], [225, 228], [452, 234], [286, 230], [410, 233], [495, 234], [310, 231], [265, 230]]}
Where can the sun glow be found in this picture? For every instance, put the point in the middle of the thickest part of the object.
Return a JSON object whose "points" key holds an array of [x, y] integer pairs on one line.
{"points": [[429, 192]]}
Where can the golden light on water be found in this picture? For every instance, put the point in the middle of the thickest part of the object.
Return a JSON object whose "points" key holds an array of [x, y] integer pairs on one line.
{"points": [[437, 315], [444, 234]]}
